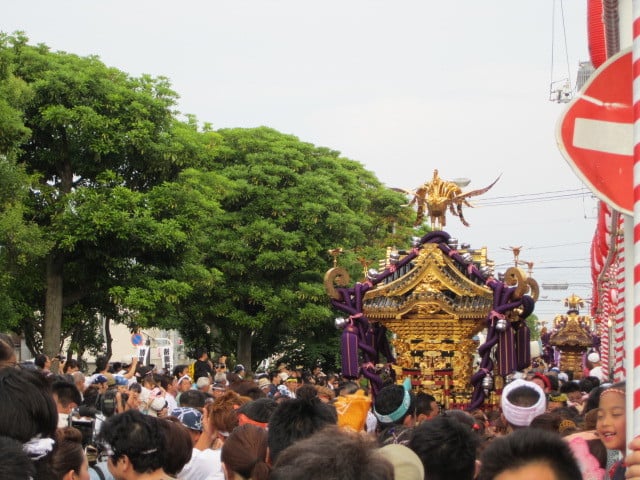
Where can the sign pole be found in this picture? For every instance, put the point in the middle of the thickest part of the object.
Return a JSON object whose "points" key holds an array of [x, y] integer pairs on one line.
{"points": [[634, 375]]}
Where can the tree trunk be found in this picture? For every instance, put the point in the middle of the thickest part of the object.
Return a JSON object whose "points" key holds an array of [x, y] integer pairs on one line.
{"points": [[53, 305], [245, 339], [108, 338]]}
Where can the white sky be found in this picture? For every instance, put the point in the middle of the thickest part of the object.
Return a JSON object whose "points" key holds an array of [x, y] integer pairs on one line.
{"points": [[402, 86]]}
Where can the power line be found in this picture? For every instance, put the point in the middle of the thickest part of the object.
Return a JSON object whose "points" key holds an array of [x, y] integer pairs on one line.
{"points": [[551, 192], [528, 200]]}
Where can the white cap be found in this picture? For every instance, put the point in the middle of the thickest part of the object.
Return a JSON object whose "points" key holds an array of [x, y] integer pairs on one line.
{"points": [[593, 357]]}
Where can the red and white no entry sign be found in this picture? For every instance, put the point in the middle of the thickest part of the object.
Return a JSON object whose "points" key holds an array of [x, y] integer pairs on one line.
{"points": [[595, 133]]}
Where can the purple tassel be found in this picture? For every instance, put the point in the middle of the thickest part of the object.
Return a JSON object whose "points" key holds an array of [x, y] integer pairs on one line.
{"points": [[523, 346], [506, 354], [349, 350]]}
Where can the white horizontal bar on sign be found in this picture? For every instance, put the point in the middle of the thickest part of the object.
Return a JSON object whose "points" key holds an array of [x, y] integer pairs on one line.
{"points": [[602, 136]]}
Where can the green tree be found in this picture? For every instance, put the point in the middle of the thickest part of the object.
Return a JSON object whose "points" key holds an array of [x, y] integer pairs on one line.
{"points": [[92, 129], [290, 203]]}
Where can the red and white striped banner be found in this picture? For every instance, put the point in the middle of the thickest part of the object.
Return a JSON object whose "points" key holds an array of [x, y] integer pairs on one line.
{"points": [[636, 222]]}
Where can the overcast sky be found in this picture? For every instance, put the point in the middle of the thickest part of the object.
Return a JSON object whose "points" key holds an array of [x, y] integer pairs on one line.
{"points": [[404, 87]]}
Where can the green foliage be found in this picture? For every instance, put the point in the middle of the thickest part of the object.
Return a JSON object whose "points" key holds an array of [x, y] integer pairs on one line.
{"points": [[151, 221], [532, 323]]}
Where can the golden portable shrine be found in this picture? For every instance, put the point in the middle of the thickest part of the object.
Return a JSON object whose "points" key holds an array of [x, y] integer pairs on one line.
{"points": [[434, 298], [572, 335]]}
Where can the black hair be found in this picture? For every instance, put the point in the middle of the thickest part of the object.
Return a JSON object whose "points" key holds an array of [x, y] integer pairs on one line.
{"points": [[27, 409], [193, 398], [136, 436], [40, 360], [389, 399], [70, 363], [523, 396], [446, 447], [66, 393], [570, 387], [178, 369], [296, 419], [333, 454], [549, 421], [259, 410], [101, 364], [526, 446], [16, 465], [91, 396], [347, 388], [593, 400], [589, 383], [423, 403], [106, 402]]}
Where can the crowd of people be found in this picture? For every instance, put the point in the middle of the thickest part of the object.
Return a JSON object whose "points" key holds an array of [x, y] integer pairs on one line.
{"points": [[207, 421]]}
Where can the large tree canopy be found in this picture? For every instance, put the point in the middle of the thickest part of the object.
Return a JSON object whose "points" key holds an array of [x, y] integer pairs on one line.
{"points": [[114, 208], [97, 136], [291, 203]]}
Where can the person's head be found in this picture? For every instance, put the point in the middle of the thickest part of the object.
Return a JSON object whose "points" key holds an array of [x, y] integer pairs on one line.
{"points": [[203, 384], [593, 359], [78, 381], [588, 383], [426, 407], [193, 398], [223, 413], [447, 448], [66, 396], [542, 381], [549, 421], [70, 366], [180, 371], [572, 390], [349, 388], [258, 412], [333, 454], [528, 454], [28, 409], [16, 464], [102, 364], [184, 383], [296, 419], [191, 419], [521, 402], [68, 461], [395, 405], [556, 400], [274, 378], [611, 421], [42, 361], [169, 384], [177, 445], [7, 352], [202, 354], [245, 453], [593, 399], [134, 443]]}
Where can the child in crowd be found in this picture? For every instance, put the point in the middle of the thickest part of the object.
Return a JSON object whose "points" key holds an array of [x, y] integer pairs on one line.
{"points": [[611, 424]]}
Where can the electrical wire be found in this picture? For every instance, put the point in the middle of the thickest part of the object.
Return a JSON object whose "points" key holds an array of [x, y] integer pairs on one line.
{"points": [[534, 198]]}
